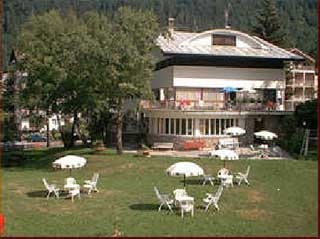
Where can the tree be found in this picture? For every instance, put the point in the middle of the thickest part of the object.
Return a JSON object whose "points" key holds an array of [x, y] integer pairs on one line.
{"points": [[268, 25], [130, 63], [9, 103], [306, 113], [56, 56]]}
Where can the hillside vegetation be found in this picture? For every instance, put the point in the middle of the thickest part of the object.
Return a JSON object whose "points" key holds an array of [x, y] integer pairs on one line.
{"points": [[298, 17]]}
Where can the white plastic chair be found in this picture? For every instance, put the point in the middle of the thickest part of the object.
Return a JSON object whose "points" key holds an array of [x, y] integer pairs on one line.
{"points": [[213, 199], [51, 188], [243, 176], [91, 185], [208, 178], [164, 199], [70, 184], [225, 178], [74, 192], [187, 205], [178, 193]]}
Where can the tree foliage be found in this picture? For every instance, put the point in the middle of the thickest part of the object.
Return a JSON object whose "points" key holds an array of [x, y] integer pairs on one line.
{"points": [[89, 65], [268, 24], [306, 114], [297, 18]]}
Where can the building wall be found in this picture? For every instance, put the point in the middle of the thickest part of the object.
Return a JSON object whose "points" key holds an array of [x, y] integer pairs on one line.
{"points": [[163, 78], [219, 77], [249, 123]]}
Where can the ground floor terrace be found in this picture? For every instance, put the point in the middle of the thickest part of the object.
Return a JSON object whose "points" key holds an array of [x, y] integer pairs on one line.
{"points": [[179, 126]]}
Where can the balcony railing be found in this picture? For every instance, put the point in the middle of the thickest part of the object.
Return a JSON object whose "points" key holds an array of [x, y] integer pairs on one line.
{"points": [[212, 106]]}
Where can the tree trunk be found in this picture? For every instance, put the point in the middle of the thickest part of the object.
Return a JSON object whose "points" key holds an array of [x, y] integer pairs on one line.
{"points": [[48, 129], [60, 129], [75, 119], [119, 123], [119, 133]]}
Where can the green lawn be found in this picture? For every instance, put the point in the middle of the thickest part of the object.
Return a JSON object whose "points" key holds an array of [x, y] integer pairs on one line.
{"points": [[127, 198]]}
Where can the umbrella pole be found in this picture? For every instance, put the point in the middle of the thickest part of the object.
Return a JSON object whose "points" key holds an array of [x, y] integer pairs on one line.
{"points": [[224, 163], [184, 180]]}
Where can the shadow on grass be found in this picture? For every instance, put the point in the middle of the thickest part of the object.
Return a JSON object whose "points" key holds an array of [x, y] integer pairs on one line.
{"points": [[144, 206], [44, 193], [193, 181], [37, 194], [42, 158]]}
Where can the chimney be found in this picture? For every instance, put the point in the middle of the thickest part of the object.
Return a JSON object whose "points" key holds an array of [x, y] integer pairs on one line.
{"points": [[171, 25]]}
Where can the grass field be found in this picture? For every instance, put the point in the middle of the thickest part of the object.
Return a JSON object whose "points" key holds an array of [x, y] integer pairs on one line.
{"points": [[127, 200]]}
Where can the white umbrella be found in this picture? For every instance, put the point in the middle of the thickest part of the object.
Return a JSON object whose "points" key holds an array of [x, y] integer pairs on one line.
{"points": [[185, 169], [69, 162], [225, 154], [265, 135], [234, 131]]}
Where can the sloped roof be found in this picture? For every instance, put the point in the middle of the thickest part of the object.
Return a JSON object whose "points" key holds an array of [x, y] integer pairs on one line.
{"points": [[303, 54], [179, 43]]}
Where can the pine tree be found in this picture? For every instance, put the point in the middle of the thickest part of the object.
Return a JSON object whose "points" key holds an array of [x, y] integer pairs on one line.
{"points": [[268, 25]]}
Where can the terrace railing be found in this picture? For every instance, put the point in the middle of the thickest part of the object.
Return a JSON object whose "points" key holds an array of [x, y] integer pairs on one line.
{"points": [[211, 106]]}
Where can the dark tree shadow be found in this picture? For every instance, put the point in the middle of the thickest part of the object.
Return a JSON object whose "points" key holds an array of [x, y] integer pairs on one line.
{"points": [[145, 206], [43, 194], [193, 181]]}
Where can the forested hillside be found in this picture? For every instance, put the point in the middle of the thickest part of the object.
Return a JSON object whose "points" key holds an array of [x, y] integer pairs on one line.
{"points": [[298, 17]]}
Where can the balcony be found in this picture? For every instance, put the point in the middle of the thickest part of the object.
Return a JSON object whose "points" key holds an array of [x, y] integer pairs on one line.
{"points": [[218, 106]]}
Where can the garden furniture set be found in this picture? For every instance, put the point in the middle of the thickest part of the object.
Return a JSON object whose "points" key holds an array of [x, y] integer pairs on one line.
{"points": [[72, 188]]}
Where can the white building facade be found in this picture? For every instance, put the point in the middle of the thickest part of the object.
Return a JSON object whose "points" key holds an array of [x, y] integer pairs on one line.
{"points": [[206, 82]]}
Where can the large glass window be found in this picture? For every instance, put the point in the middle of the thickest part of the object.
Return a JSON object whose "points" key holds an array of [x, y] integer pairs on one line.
{"points": [[177, 126], [161, 126], [222, 126], [172, 126], [213, 126], [167, 126], [183, 126], [207, 126], [217, 126], [190, 127], [227, 123], [202, 126]]}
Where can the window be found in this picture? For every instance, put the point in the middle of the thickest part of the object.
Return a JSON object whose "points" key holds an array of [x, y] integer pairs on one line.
{"points": [[188, 94], [190, 127], [223, 40], [207, 127], [222, 126], [167, 125], [217, 126], [177, 126], [183, 127], [161, 126], [202, 126], [213, 126], [172, 126]]}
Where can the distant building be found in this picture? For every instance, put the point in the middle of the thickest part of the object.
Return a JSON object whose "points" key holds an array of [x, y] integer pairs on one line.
{"points": [[206, 82], [302, 81], [21, 115]]}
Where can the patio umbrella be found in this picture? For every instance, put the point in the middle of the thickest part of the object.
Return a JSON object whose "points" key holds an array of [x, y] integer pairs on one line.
{"points": [[185, 169], [234, 131], [225, 154], [69, 162], [265, 135], [229, 89]]}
